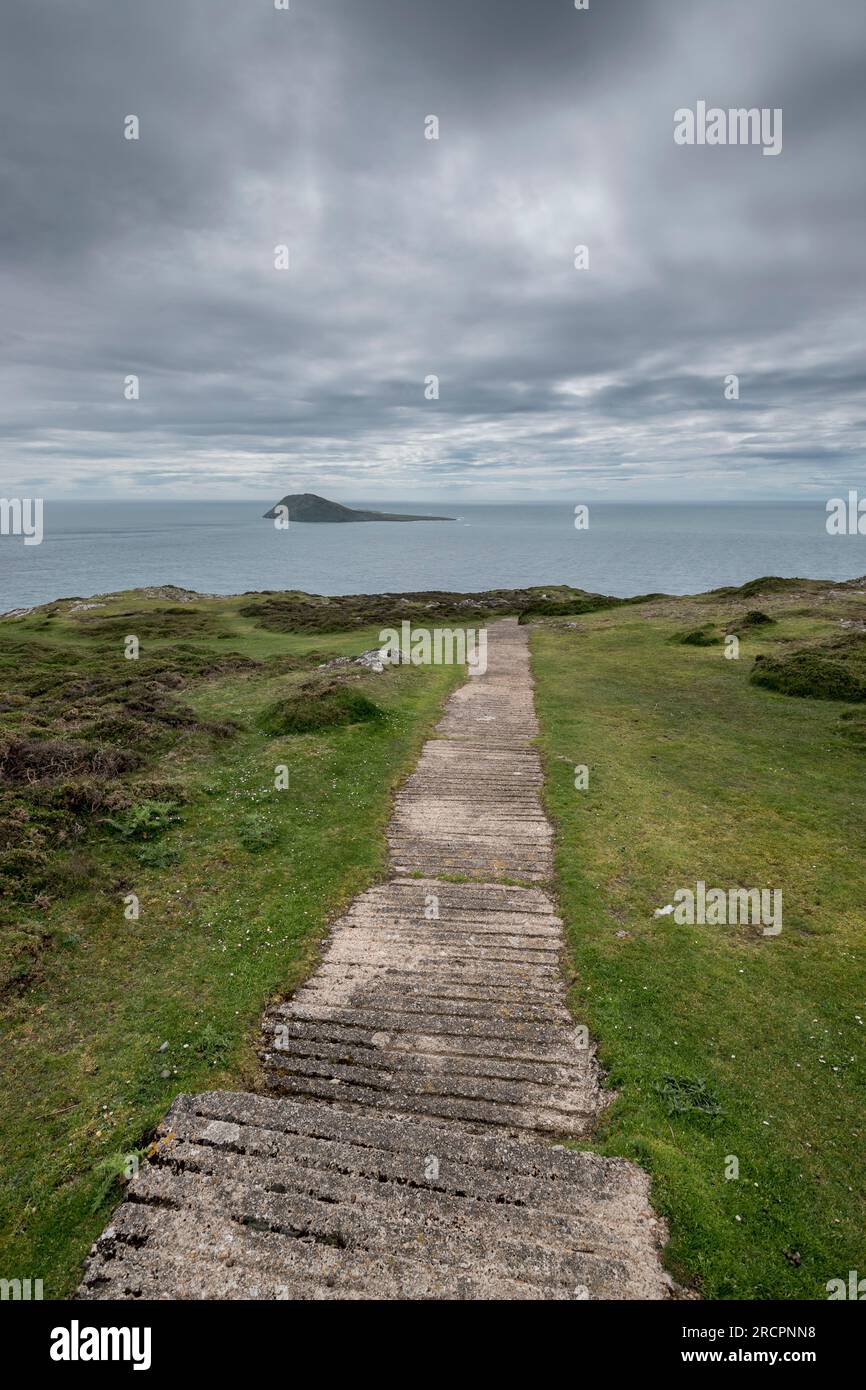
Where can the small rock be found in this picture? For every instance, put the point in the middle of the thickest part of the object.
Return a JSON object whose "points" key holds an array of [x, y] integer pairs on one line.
{"points": [[372, 660]]}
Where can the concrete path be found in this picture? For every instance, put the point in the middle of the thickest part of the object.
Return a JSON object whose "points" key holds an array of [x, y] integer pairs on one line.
{"points": [[418, 1082]]}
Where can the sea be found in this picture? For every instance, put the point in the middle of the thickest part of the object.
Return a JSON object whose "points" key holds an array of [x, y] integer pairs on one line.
{"points": [[223, 547]]}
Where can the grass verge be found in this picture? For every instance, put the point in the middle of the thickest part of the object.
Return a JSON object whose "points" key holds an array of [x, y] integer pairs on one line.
{"points": [[724, 1044], [106, 1018]]}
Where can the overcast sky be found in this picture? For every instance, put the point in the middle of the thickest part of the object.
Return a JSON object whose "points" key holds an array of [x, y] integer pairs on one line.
{"points": [[411, 257]]}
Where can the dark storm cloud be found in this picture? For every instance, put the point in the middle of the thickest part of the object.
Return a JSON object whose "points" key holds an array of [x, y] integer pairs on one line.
{"points": [[412, 257]]}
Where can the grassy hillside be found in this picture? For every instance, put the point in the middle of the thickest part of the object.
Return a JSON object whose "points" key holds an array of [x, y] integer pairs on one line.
{"points": [[723, 1042], [157, 777]]}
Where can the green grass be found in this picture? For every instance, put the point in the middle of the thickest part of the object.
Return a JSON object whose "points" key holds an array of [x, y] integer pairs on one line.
{"points": [[236, 881], [720, 1041]]}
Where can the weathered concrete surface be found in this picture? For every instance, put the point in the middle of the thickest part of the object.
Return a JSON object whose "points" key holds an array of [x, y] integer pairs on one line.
{"points": [[418, 1080], [472, 805], [254, 1198], [460, 1016]]}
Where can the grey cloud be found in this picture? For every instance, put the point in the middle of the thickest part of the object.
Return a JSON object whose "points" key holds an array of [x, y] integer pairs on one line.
{"points": [[412, 257]]}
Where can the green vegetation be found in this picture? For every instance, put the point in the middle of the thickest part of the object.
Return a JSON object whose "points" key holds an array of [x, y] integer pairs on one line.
{"points": [[722, 1043], [834, 670], [156, 777], [754, 618], [317, 703], [293, 612], [772, 584], [573, 603], [552, 608], [698, 637]]}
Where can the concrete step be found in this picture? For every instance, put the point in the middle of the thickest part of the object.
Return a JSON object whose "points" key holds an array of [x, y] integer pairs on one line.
{"points": [[256, 1198]]}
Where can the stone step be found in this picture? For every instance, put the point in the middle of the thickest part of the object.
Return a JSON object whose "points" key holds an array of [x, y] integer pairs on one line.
{"points": [[428, 962], [400, 1017], [546, 1073], [400, 918], [339, 996], [441, 985], [423, 1080], [513, 1118], [255, 1198], [408, 1040], [501, 950], [464, 897]]}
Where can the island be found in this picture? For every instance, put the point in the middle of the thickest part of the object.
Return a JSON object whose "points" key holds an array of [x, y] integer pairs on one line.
{"points": [[306, 506]]}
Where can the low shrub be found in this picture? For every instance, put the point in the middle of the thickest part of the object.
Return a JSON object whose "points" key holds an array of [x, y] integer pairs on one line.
{"points": [[833, 671], [318, 703], [753, 619], [566, 608], [144, 821], [26, 760], [697, 637]]}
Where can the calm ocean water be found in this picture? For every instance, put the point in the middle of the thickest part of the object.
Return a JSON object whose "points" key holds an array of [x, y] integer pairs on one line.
{"points": [[227, 547]]}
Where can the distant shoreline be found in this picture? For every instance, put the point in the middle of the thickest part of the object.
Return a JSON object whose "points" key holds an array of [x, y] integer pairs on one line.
{"points": [[519, 597], [227, 548]]}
